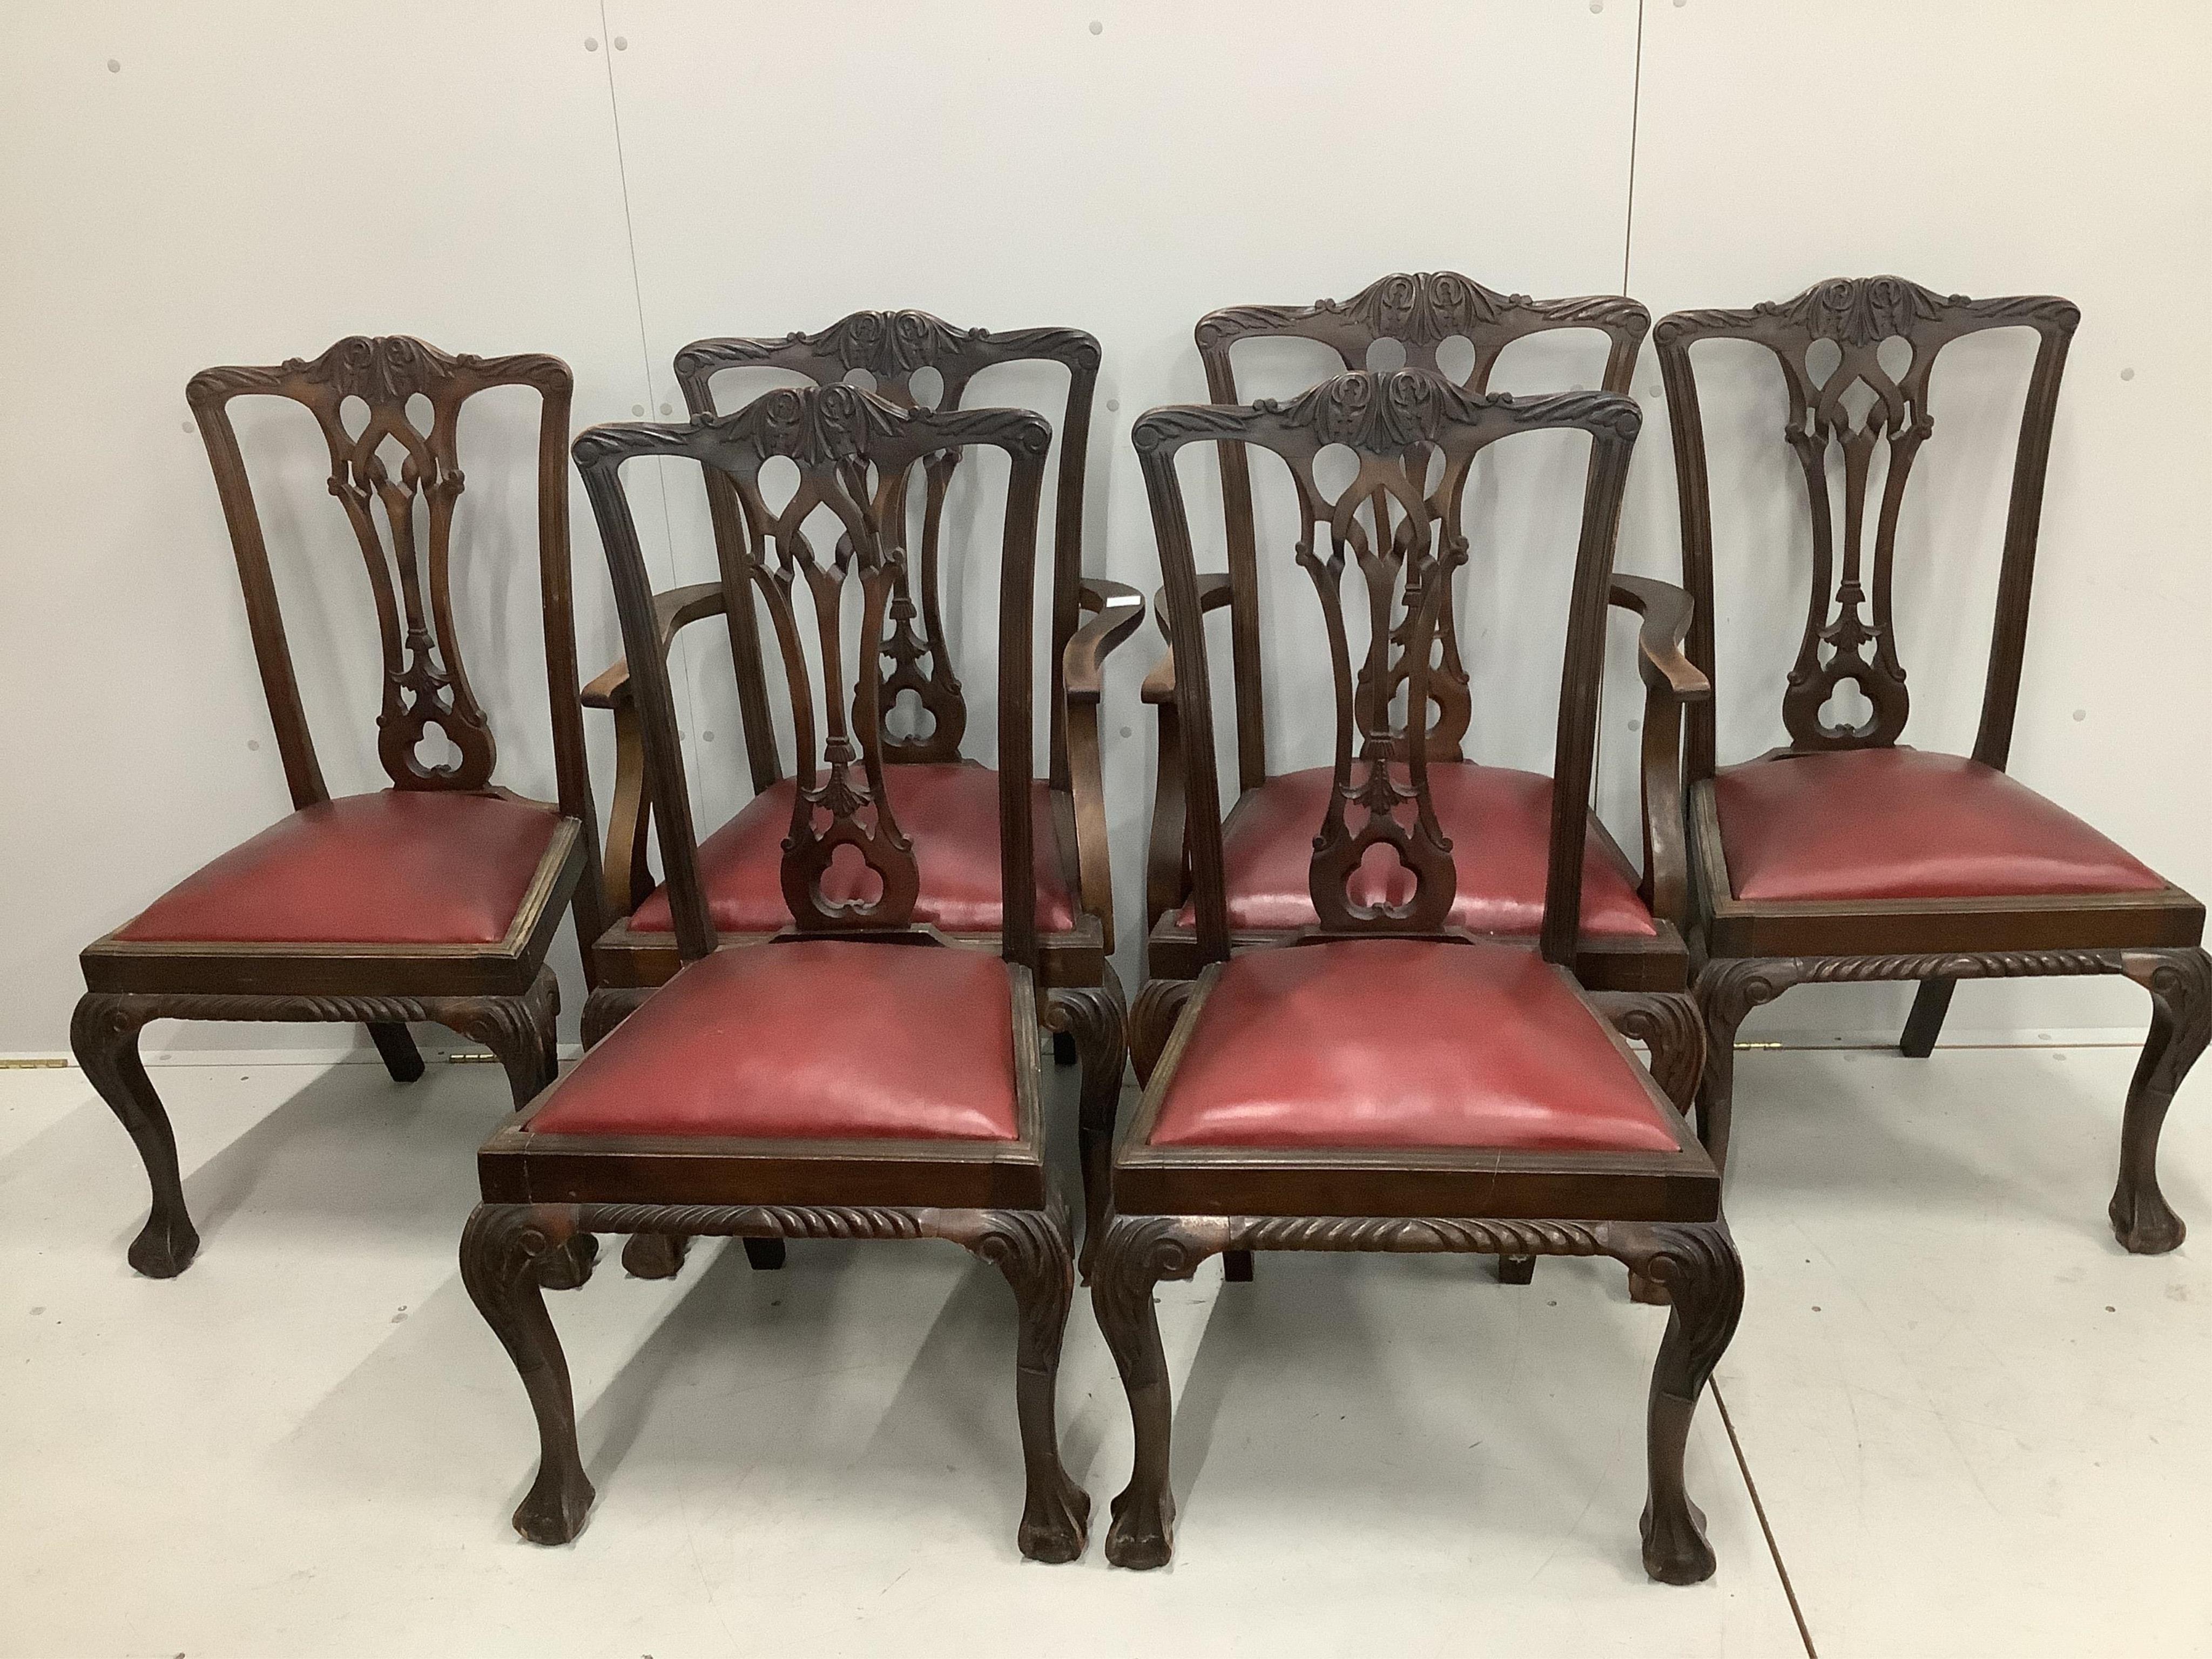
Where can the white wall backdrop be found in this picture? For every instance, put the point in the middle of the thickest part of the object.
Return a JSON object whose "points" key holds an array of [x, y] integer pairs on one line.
{"points": [[246, 181]]}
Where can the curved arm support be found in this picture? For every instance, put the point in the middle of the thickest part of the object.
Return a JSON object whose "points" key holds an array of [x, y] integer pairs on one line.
{"points": [[625, 878], [1116, 611], [1670, 681], [1165, 865]]}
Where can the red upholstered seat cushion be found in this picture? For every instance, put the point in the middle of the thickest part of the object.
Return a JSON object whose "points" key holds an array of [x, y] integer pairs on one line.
{"points": [[403, 866], [809, 1040], [1901, 824], [1404, 1042], [1500, 824], [951, 815]]}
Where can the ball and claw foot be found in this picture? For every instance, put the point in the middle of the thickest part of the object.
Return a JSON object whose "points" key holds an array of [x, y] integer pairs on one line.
{"points": [[555, 1509], [1676, 1552], [568, 1267], [1142, 1536], [654, 1255], [2144, 1223], [165, 1246], [1056, 1523]]}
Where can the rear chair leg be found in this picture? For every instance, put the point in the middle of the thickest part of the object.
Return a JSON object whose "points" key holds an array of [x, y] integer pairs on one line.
{"points": [[1925, 1023], [503, 1252], [2180, 987], [104, 1036], [655, 1255], [1031, 1249], [1698, 1265], [1517, 1269], [401, 1057]]}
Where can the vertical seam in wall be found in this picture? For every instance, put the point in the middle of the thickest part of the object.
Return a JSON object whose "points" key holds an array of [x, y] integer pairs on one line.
{"points": [[687, 723], [1635, 118]]}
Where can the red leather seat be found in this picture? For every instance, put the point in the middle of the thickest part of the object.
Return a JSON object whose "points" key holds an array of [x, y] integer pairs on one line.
{"points": [[807, 1040], [1500, 824], [1902, 823], [948, 812], [403, 866], [1405, 1042]]}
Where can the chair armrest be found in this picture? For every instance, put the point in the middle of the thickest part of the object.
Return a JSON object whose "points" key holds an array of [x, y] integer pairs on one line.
{"points": [[676, 608], [1666, 609], [1670, 679], [1119, 609], [1214, 593]]}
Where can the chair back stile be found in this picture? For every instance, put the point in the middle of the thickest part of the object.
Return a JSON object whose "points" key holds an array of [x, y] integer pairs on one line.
{"points": [[1881, 335], [1401, 426], [854, 453], [1420, 311], [383, 475], [884, 352]]}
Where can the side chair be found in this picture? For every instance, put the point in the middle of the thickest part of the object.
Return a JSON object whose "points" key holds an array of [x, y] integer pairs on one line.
{"points": [[1844, 856], [1384, 1079], [948, 803], [859, 1073], [434, 899]]}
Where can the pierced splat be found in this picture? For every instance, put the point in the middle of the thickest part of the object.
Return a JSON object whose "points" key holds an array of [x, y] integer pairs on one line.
{"points": [[853, 453], [1855, 356], [1415, 437], [911, 360], [1444, 323], [398, 478], [821, 432]]}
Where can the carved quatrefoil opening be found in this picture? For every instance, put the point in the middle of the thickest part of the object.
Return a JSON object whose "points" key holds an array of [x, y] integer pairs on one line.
{"points": [[436, 754], [1894, 353], [861, 379], [1455, 358], [908, 719], [1848, 712], [1822, 358], [1383, 872], [926, 386], [850, 873], [352, 415]]}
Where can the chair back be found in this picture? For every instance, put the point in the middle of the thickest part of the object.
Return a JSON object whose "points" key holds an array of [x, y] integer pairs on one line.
{"points": [[1412, 438], [913, 361], [397, 478], [1432, 318], [841, 525], [1856, 355]]}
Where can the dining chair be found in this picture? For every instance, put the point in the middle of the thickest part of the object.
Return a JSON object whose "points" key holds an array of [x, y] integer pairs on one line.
{"points": [[1385, 1080], [1844, 856], [948, 801], [861, 1073], [433, 900]]}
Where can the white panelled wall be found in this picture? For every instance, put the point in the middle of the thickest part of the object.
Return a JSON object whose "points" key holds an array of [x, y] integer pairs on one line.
{"points": [[244, 182]]}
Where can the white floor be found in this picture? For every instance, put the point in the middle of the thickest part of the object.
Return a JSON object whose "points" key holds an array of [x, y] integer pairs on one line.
{"points": [[1975, 1426]]}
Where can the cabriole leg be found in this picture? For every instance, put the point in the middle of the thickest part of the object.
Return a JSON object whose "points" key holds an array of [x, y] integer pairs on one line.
{"points": [[1139, 1251], [1031, 1249], [1925, 1023], [1729, 988], [503, 1251], [1092, 1018], [104, 1035], [2180, 987], [401, 1057], [1699, 1266]]}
